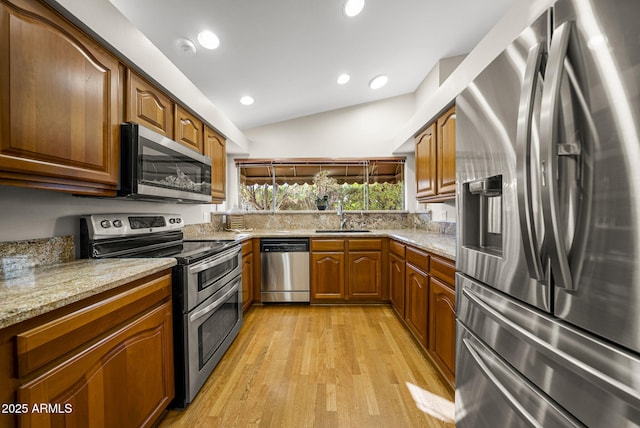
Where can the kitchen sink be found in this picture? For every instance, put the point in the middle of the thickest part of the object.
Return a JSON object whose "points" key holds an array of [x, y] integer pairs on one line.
{"points": [[342, 230]]}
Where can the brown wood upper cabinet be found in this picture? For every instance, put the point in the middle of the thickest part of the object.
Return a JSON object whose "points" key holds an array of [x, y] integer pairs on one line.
{"points": [[436, 159], [188, 129], [59, 104], [148, 106], [215, 148]]}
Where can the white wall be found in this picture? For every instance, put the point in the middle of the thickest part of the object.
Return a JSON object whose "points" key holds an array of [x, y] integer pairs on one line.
{"points": [[363, 130], [521, 14], [32, 214]]}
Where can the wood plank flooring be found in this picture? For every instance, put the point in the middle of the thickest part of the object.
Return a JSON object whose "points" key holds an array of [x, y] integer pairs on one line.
{"points": [[320, 366]]}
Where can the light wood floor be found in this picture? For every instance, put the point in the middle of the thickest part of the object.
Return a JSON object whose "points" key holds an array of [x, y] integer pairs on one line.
{"points": [[320, 366]]}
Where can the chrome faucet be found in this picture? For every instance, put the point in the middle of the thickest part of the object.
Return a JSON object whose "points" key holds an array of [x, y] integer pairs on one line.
{"points": [[343, 221]]}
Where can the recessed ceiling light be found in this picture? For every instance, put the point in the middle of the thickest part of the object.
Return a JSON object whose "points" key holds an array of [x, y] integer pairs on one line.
{"points": [[208, 40], [186, 47], [378, 82], [343, 78], [353, 7], [246, 100]]}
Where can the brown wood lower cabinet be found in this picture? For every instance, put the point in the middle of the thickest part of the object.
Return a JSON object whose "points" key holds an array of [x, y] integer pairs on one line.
{"points": [[422, 293], [442, 327], [104, 361], [349, 270], [417, 305], [247, 275]]}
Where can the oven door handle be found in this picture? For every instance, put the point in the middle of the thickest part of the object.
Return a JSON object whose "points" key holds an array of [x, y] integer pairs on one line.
{"points": [[215, 305], [216, 260]]}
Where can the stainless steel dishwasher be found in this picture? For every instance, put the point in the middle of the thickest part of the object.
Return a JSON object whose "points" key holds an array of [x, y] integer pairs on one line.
{"points": [[285, 269]]}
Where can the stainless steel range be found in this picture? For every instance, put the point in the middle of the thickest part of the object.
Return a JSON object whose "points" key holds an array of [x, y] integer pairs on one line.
{"points": [[207, 286]]}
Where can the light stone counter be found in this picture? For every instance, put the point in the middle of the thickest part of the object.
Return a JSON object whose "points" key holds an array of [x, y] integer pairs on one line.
{"points": [[436, 243], [30, 292]]}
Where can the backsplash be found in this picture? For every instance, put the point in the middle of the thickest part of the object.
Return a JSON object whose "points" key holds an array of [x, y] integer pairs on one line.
{"points": [[18, 255], [328, 220]]}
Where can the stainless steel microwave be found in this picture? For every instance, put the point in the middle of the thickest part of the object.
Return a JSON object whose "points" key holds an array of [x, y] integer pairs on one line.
{"points": [[154, 167]]}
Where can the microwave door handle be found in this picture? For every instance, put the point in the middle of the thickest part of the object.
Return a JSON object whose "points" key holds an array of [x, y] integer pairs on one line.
{"points": [[523, 159], [549, 156]]}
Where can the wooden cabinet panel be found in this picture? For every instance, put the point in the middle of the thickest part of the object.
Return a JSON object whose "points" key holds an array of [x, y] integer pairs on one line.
{"points": [[215, 148], [418, 258], [247, 275], [365, 274], [148, 106], [123, 380], [42, 345], [188, 129], [446, 137], [396, 283], [369, 244], [59, 104], [327, 244], [442, 327], [426, 163], [443, 269], [397, 248], [327, 276], [417, 308]]}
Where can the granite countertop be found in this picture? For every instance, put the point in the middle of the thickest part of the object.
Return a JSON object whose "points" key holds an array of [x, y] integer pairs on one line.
{"points": [[436, 243], [30, 292]]}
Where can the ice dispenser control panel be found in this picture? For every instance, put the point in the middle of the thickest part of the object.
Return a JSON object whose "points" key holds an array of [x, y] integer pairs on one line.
{"points": [[482, 215]]}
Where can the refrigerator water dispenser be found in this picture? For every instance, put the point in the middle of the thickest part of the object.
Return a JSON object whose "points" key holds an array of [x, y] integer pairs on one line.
{"points": [[482, 215]]}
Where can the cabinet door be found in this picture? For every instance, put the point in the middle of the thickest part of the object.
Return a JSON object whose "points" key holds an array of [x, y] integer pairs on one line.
{"points": [[446, 169], [247, 281], [396, 282], [215, 148], [188, 129], [442, 327], [416, 310], [148, 106], [123, 380], [327, 276], [365, 275], [59, 110], [426, 163]]}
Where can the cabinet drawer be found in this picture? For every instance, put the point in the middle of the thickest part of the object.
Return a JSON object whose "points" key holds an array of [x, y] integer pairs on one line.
{"points": [[43, 344], [327, 245], [418, 258], [396, 248], [443, 269], [365, 244], [247, 247]]}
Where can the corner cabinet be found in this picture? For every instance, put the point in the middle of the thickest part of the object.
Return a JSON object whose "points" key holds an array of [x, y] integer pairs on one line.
{"points": [[59, 104], [215, 148], [436, 159]]}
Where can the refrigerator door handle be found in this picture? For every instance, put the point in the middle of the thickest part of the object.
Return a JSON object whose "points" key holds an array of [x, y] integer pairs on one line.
{"points": [[504, 391], [549, 154], [523, 155]]}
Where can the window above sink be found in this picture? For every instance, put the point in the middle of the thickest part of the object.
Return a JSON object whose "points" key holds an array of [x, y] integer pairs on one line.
{"points": [[320, 184]]}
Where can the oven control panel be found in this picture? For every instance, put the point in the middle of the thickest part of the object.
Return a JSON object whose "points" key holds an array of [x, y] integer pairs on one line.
{"points": [[103, 226]]}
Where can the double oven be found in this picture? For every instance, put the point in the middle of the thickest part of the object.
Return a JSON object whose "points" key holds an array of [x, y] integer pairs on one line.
{"points": [[207, 286]]}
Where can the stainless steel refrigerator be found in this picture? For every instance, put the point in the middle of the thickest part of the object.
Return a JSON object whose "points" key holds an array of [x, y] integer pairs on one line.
{"points": [[548, 251]]}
